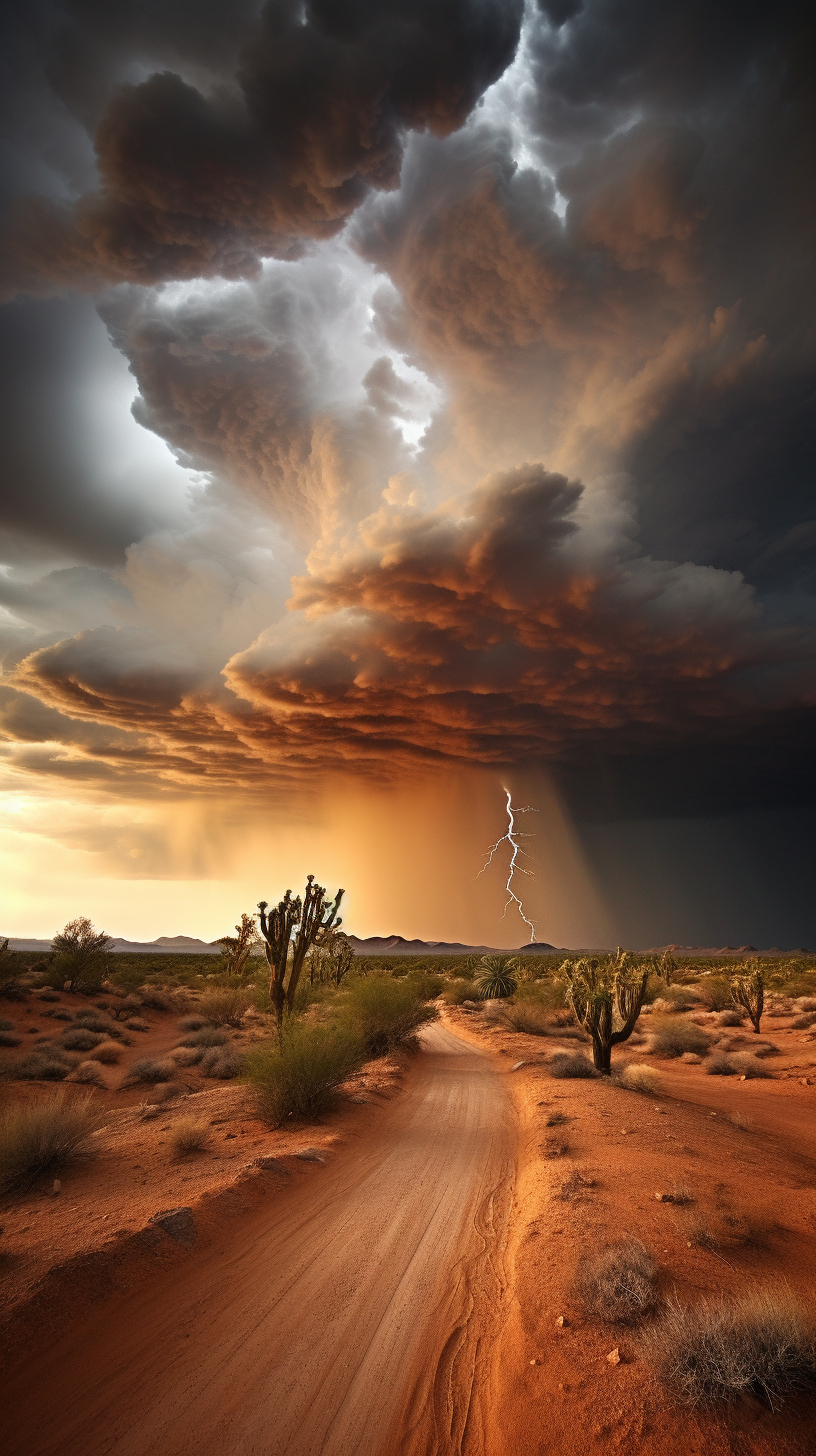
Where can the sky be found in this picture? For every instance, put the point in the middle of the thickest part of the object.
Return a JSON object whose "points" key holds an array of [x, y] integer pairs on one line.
{"points": [[404, 403]]}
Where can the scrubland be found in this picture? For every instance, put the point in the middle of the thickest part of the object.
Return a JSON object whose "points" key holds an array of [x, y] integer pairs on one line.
{"points": [[660, 1265]]}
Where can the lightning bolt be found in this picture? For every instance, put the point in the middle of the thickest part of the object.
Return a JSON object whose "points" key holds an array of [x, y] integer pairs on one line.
{"points": [[511, 836]]}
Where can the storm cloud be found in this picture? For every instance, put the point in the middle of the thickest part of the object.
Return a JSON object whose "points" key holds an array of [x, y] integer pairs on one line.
{"points": [[483, 339]]}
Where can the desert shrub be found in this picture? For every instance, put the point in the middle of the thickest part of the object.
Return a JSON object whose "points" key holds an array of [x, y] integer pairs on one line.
{"points": [[571, 1064], [731, 1018], [80, 1039], [88, 1073], [762, 1343], [107, 1052], [766, 1049], [719, 1065], [673, 1035], [82, 957], [223, 1064], [208, 1036], [46, 1063], [457, 991], [385, 1013], [225, 1007], [155, 1000], [715, 992], [7, 1038], [427, 985], [186, 1056], [297, 1077], [6, 1025], [638, 1077], [806, 1003], [527, 1018], [192, 1023], [152, 1069], [547, 995], [746, 1065], [37, 1137], [801, 1023], [190, 1135], [618, 1283]]}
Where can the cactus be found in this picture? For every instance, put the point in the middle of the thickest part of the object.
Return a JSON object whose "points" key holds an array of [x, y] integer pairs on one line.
{"points": [[295, 925], [748, 991], [496, 977], [667, 965], [597, 989]]}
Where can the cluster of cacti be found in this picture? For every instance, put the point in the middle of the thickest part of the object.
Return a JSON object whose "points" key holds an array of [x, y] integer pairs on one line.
{"points": [[238, 948], [598, 990], [289, 932], [748, 991], [496, 977]]}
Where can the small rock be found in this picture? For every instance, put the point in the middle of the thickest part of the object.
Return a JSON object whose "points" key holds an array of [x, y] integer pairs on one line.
{"points": [[561, 1320], [178, 1224], [57, 1185], [533, 1361], [614, 1357], [311, 1155], [516, 1066]]}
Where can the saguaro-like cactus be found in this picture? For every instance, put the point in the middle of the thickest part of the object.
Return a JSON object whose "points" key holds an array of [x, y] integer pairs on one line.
{"points": [[294, 925], [748, 991], [667, 965], [597, 990], [238, 948]]}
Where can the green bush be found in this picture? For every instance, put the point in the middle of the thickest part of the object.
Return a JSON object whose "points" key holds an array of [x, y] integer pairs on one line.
{"points": [[673, 1035], [527, 1018], [715, 993], [547, 995], [385, 1012], [37, 1137], [458, 991], [298, 1076]]}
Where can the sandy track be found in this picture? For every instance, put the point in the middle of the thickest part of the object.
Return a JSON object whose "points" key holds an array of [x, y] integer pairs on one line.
{"points": [[353, 1314]]}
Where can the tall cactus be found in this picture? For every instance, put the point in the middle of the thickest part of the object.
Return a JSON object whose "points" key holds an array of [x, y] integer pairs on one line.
{"points": [[596, 990], [294, 925], [748, 991]]}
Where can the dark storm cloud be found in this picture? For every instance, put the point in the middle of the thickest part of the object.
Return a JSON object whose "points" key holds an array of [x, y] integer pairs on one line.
{"points": [[205, 182], [608, 270]]}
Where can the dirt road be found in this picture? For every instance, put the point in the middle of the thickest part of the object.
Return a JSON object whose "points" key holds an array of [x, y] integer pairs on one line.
{"points": [[352, 1316]]}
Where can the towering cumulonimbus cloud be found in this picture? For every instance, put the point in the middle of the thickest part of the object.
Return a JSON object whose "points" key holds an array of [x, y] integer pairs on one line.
{"points": [[501, 348], [206, 182]]}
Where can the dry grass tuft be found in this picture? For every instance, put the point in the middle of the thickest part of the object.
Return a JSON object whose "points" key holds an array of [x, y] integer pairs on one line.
{"points": [[190, 1135], [721, 1066], [36, 1137], [674, 1035], [186, 1056], [638, 1077], [208, 1036], [801, 1023], [152, 1069], [746, 1065], [80, 1039], [222, 1063], [89, 1074], [525, 1017], [762, 1343], [571, 1064], [619, 1283]]}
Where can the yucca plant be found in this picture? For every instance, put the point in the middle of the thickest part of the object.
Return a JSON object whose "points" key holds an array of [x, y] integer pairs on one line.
{"points": [[748, 991], [496, 977], [597, 990]]}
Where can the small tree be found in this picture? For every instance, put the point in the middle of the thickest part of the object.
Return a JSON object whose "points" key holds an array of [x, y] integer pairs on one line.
{"points": [[294, 926], [748, 991], [339, 955], [598, 991], [82, 956], [238, 948]]}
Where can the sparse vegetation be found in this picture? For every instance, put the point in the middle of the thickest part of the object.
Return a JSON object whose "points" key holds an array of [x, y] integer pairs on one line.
{"points": [[190, 1135], [715, 992], [458, 991], [108, 1052], [208, 1036], [526, 1017], [80, 1039], [88, 1073], [82, 957], [619, 1283], [221, 1063], [720, 1065], [38, 1137], [225, 1007], [762, 1343], [298, 1077]]}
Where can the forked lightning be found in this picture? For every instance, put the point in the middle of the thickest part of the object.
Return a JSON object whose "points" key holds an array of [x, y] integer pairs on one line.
{"points": [[511, 837]]}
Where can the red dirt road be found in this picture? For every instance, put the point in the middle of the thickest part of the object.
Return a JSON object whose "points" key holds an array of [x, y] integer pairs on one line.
{"points": [[353, 1313]]}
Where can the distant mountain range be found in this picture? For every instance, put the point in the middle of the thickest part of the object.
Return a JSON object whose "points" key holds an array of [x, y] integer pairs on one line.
{"points": [[392, 945]]}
